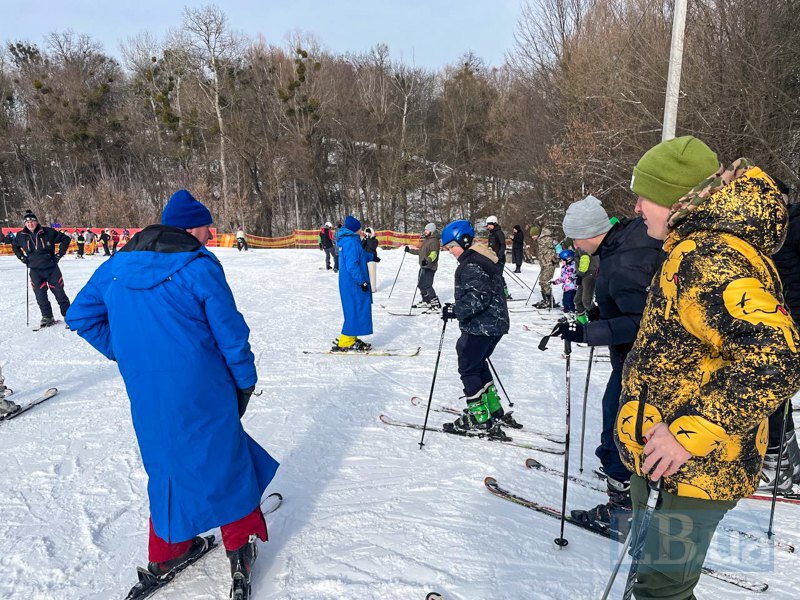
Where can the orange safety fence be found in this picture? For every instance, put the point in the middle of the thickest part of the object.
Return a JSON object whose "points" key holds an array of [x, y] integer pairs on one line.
{"points": [[309, 238]]}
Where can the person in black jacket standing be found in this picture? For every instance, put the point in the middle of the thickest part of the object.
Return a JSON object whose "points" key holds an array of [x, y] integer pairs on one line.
{"points": [[370, 245], [482, 313], [104, 238], [628, 260], [497, 243], [787, 261], [517, 246], [36, 247]]}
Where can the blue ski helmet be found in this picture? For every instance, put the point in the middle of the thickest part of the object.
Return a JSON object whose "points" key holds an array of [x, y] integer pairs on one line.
{"points": [[460, 231], [566, 254]]}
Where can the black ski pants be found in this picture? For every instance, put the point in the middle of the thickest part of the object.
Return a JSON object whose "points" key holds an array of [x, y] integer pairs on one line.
{"points": [[425, 284], [516, 255], [328, 253], [105, 248], [473, 354], [80, 250], [41, 280], [607, 451]]}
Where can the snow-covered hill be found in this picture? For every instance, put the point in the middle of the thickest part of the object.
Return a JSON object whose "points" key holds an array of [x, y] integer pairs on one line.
{"points": [[366, 513]]}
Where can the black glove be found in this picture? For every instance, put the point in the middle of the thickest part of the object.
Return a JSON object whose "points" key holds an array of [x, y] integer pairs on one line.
{"points": [[57, 258], [424, 263], [365, 287], [24, 260], [593, 313], [376, 259], [571, 331], [407, 249], [448, 311], [243, 398]]}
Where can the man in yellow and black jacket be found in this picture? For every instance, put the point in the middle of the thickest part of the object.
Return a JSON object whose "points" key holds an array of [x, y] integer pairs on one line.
{"points": [[716, 353]]}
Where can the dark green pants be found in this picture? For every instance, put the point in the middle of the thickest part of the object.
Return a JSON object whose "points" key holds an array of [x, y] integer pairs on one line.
{"points": [[677, 542]]}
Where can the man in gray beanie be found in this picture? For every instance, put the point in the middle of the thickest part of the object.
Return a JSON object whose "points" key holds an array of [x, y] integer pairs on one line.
{"points": [[428, 263], [628, 259]]}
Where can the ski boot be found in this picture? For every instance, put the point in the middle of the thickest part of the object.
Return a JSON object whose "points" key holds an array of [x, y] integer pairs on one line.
{"points": [[358, 346], [790, 467], [507, 293], [435, 305], [7, 408], [241, 566], [424, 304], [544, 302], [46, 322], [168, 567], [500, 416], [477, 418], [614, 515]]}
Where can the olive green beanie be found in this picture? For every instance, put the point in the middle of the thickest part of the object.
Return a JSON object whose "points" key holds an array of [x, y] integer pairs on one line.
{"points": [[670, 169]]}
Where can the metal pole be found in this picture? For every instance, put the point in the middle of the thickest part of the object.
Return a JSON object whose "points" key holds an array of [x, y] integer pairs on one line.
{"points": [[500, 383], [561, 541], [778, 468], [641, 537], [433, 383], [674, 73], [619, 563], [414, 297], [27, 298], [398, 273], [585, 398]]}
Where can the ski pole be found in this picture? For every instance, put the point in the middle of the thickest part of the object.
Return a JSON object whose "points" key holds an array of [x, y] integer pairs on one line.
{"points": [[500, 383], [615, 570], [561, 541], [778, 468], [641, 537], [398, 273], [585, 398], [27, 298], [531, 294], [515, 278], [433, 383], [414, 297]]}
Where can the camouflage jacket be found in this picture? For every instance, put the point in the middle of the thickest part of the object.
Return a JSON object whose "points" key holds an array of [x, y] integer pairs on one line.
{"points": [[480, 301], [428, 251], [546, 248], [717, 352]]}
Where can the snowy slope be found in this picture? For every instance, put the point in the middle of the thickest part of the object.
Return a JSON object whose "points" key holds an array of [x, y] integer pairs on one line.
{"points": [[366, 513]]}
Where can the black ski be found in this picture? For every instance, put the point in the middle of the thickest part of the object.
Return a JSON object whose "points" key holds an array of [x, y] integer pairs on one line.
{"points": [[434, 596], [43, 398], [149, 584], [494, 487], [471, 434], [532, 463], [451, 410]]}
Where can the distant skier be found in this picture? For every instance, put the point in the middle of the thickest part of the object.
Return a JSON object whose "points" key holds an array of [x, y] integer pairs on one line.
{"points": [[328, 244], [370, 244], [162, 309], [354, 288], [114, 241], [241, 240], [35, 246], [497, 242], [428, 263], [80, 240], [104, 239], [517, 248], [568, 280], [548, 258], [482, 313], [6, 406]]}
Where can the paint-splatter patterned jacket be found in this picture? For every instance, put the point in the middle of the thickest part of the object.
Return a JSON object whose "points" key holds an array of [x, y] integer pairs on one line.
{"points": [[717, 351]]}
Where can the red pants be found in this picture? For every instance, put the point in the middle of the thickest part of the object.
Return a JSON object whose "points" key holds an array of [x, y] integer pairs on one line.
{"points": [[234, 536]]}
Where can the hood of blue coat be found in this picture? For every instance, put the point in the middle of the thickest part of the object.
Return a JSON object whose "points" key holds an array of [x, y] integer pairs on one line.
{"points": [[153, 255], [345, 232]]}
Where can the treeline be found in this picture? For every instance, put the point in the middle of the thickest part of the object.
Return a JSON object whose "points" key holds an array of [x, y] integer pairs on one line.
{"points": [[278, 138]]}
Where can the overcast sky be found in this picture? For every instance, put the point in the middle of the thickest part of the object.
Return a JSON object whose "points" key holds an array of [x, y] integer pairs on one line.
{"points": [[427, 33]]}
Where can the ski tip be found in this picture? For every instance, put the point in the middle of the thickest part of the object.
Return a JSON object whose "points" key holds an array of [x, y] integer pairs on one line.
{"points": [[489, 481], [532, 463], [434, 596], [415, 400]]}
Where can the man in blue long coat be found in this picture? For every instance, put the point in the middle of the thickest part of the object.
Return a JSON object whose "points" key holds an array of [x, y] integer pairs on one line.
{"points": [[354, 288], [162, 309]]}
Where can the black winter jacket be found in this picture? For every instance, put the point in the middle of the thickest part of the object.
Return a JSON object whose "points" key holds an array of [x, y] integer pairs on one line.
{"points": [[628, 260], [497, 242], [480, 301], [787, 261], [325, 238], [518, 240], [370, 244], [39, 246]]}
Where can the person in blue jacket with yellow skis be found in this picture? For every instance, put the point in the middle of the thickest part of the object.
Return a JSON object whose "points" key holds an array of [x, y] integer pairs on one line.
{"points": [[354, 288], [162, 309]]}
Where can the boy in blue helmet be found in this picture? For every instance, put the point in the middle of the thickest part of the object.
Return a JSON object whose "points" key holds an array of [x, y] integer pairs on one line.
{"points": [[482, 313], [567, 279]]}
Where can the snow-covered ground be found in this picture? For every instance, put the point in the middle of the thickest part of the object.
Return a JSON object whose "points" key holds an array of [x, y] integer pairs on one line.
{"points": [[366, 513]]}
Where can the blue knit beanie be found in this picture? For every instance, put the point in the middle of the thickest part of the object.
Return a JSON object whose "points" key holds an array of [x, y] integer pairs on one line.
{"points": [[185, 212], [352, 223]]}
